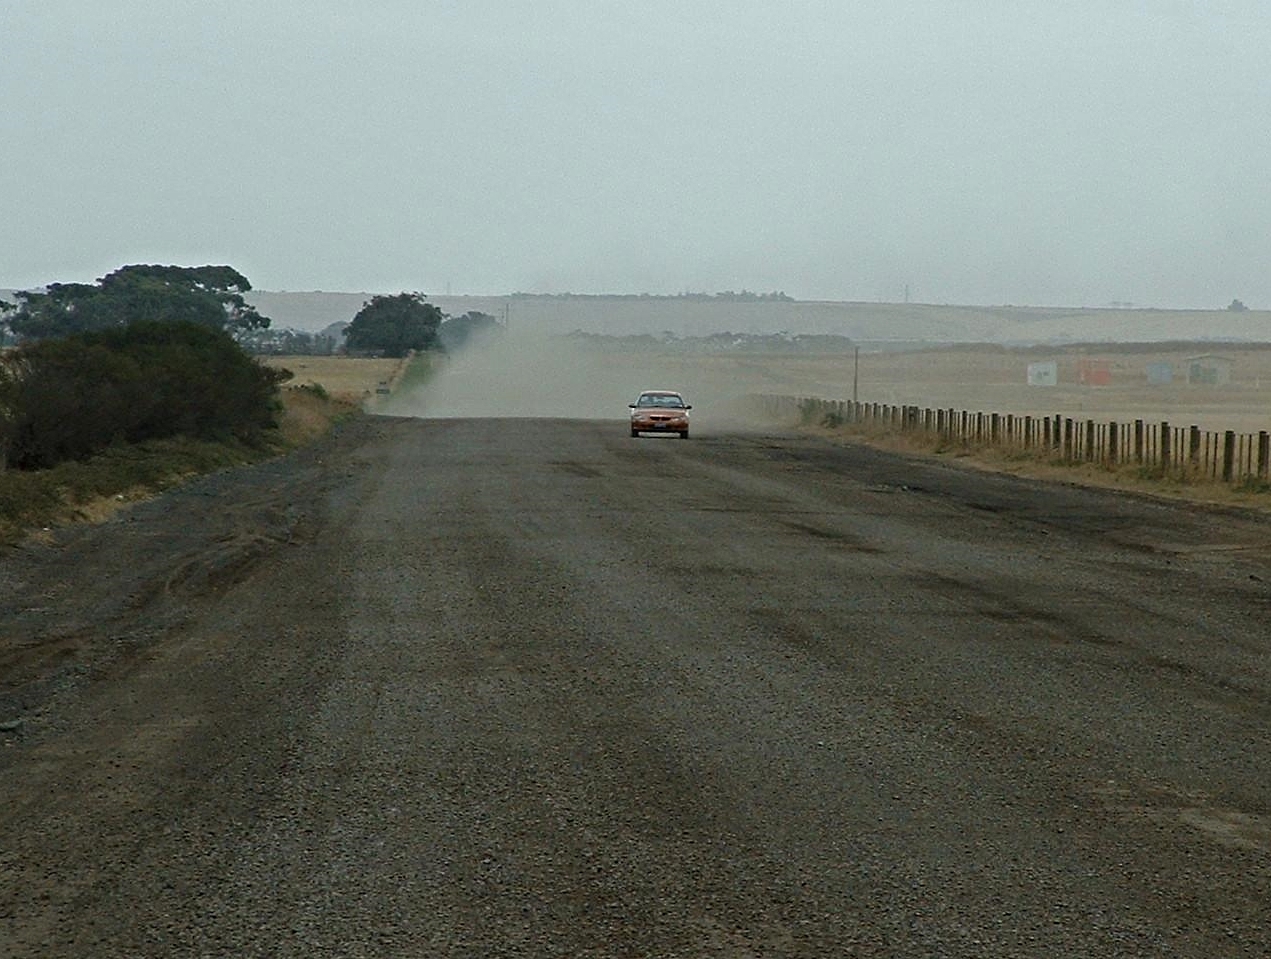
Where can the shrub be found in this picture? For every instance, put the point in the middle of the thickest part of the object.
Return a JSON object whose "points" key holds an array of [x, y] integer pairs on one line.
{"points": [[65, 399]]}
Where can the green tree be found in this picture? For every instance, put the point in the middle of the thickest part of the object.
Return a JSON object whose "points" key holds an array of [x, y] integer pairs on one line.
{"points": [[395, 325], [210, 296], [458, 332], [65, 398]]}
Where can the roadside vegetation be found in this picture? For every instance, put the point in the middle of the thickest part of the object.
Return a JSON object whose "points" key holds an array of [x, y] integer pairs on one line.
{"points": [[404, 324], [68, 398], [114, 391], [395, 326], [1179, 481], [95, 487], [118, 390], [420, 371], [209, 296]]}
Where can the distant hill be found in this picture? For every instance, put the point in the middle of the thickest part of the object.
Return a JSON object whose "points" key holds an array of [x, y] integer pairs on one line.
{"points": [[867, 323], [870, 324]]}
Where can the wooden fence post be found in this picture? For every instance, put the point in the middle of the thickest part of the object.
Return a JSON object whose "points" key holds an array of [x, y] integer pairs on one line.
{"points": [[1186, 451]]}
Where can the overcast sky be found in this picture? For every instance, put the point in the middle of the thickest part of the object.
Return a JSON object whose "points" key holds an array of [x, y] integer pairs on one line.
{"points": [[1067, 152]]}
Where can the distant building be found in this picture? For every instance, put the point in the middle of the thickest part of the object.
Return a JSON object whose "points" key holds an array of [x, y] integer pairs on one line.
{"points": [[1043, 374], [1208, 370], [1160, 374], [1093, 371]]}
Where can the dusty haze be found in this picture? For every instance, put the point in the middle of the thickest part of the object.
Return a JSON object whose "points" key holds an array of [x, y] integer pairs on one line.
{"points": [[520, 375], [526, 377]]}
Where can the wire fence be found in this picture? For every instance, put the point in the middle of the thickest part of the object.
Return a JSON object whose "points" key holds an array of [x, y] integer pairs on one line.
{"points": [[1161, 448]]}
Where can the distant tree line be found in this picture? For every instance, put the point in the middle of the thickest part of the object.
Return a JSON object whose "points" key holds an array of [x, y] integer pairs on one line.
{"points": [[394, 325], [397, 325], [393, 330], [469, 329], [287, 342]]}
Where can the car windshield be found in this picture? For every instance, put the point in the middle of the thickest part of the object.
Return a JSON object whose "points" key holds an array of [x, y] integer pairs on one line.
{"points": [[658, 399]]}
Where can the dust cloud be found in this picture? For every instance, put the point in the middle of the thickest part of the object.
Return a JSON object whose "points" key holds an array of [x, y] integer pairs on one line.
{"points": [[521, 375]]}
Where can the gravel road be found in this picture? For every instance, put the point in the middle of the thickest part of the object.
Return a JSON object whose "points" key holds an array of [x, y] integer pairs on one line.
{"points": [[475, 688]]}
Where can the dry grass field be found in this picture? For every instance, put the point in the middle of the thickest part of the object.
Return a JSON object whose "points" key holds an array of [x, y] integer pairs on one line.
{"points": [[990, 379], [344, 377], [983, 378], [994, 379]]}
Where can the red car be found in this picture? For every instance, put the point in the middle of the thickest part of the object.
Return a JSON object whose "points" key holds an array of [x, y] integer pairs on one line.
{"points": [[659, 411]]}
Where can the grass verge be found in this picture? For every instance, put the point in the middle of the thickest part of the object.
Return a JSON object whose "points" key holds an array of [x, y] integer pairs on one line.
{"points": [[1125, 478], [94, 489], [421, 368], [413, 374]]}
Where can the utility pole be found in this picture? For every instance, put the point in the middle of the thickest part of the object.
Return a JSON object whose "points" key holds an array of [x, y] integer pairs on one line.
{"points": [[856, 375]]}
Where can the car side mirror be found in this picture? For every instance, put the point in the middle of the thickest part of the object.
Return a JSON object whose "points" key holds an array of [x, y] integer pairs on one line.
{"points": [[689, 407], [630, 406]]}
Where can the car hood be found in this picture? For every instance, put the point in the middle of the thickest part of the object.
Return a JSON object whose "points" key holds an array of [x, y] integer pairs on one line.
{"points": [[658, 413]]}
